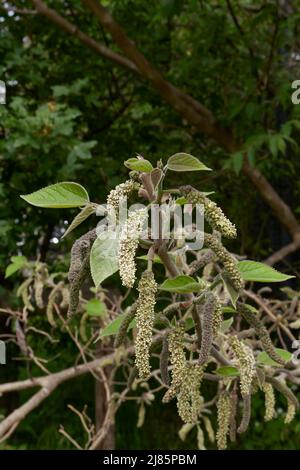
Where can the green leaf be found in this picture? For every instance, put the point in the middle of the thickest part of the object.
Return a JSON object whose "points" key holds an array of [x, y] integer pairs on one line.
{"points": [[238, 160], [233, 293], [103, 257], [139, 165], [81, 217], [96, 308], [264, 358], [189, 324], [181, 285], [260, 272], [156, 259], [59, 195], [18, 262], [185, 162], [227, 371], [113, 327], [226, 324]]}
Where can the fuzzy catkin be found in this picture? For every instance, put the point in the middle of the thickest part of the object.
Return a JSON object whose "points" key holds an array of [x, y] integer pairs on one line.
{"points": [[246, 414], [178, 361], [282, 388], [164, 360], [189, 400], [261, 332], [205, 258], [119, 193], [121, 335], [128, 245], [213, 214], [226, 259], [224, 409], [269, 401], [144, 322], [246, 364], [207, 313], [290, 414]]}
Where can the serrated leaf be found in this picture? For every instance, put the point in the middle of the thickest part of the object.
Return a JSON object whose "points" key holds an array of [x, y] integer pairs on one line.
{"points": [[139, 165], [264, 358], [260, 272], [233, 293], [181, 285], [227, 371], [104, 257], [185, 162], [59, 195], [81, 217], [113, 327], [96, 308]]}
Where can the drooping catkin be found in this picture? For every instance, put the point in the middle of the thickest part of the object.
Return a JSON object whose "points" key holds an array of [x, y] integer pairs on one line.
{"points": [[38, 291], [245, 363], [164, 360], [122, 332], [205, 258], [246, 414], [129, 241], [290, 414], [206, 311], [226, 259], [224, 409], [23, 291], [144, 322], [212, 213], [269, 401], [282, 388], [119, 193], [261, 332], [189, 400], [178, 361]]}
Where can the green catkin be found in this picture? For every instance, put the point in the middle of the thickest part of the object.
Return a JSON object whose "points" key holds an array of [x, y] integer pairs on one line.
{"points": [[120, 192], [144, 322], [164, 360], [207, 313], [23, 291], [246, 364], [189, 400], [217, 318], [232, 425], [246, 414], [282, 388], [129, 241], [224, 409], [212, 213], [178, 361], [261, 332], [204, 259], [122, 333], [290, 414], [269, 401], [38, 292], [226, 259]]}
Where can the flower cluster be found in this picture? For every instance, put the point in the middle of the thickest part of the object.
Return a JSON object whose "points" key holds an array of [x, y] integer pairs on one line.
{"points": [[189, 400], [290, 414], [226, 259], [129, 244], [144, 322], [122, 191], [246, 364], [178, 361], [224, 411], [213, 214]]}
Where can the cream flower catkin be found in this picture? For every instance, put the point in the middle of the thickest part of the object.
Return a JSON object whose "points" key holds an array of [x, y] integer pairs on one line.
{"points": [[213, 214], [224, 411], [189, 400], [144, 322], [178, 361], [121, 192], [226, 259], [245, 363], [269, 401], [128, 245]]}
